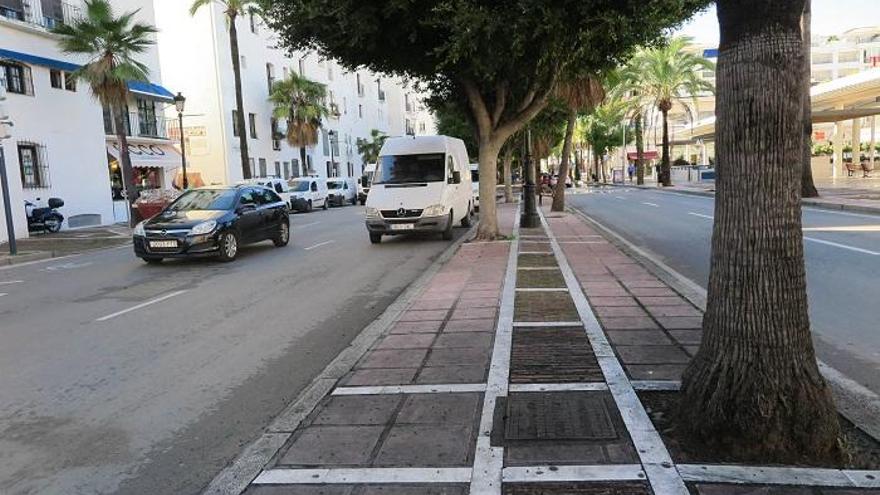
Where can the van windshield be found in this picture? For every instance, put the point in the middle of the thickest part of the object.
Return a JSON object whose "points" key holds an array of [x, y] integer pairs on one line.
{"points": [[405, 169], [299, 185], [334, 185]]}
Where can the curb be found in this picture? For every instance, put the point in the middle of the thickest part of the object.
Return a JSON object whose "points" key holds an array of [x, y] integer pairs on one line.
{"points": [[236, 477], [855, 402], [9, 260]]}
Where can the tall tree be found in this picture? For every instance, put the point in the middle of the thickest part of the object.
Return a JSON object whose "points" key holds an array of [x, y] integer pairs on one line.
{"points": [[111, 44], [754, 390], [808, 187], [232, 9], [301, 103], [604, 132], [666, 75], [502, 58], [369, 150], [578, 95]]}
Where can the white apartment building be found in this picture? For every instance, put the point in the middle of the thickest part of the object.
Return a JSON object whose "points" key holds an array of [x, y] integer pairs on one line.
{"points": [[846, 54], [62, 145], [195, 57]]}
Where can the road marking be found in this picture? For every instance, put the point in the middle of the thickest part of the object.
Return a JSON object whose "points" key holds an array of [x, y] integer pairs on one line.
{"points": [[68, 266], [619, 197], [10, 282], [3, 294], [655, 205], [318, 245], [141, 305], [708, 217], [844, 228], [306, 225], [842, 246]]}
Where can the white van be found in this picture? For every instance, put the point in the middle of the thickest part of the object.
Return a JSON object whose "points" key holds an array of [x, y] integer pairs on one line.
{"points": [[475, 184], [280, 186], [307, 193], [421, 184], [364, 182], [342, 191]]}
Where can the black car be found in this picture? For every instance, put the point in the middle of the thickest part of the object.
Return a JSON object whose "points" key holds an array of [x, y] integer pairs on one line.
{"points": [[213, 221]]}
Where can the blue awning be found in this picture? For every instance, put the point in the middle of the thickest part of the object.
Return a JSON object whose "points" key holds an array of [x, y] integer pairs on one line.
{"points": [[144, 88], [710, 53]]}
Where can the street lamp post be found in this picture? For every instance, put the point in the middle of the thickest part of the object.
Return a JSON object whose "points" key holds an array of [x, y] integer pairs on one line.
{"points": [[180, 104], [529, 218], [331, 135]]}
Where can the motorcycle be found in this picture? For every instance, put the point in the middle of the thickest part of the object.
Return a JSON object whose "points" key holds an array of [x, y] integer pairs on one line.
{"points": [[44, 219]]}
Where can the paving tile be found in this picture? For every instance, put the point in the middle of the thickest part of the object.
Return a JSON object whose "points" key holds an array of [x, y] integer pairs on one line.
{"points": [[403, 327], [472, 294], [425, 315], [552, 355], [662, 301], [652, 291], [333, 446], [681, 310], [600, 301], [459, 356], [430, 489], [658, 354], [464, 339], [681, 322], [431, 445], [478, 302], [703, 489], [526, 453], [619, 311], [650, 283], [687, 337], [433, 304], [604, 291], [473, 313], [628, 323], [638, 337], [692, 349], [403, 358], [655, 371], [475, 325], [483, 286], [299, 490], [409, 341], [452, 374], [357, 410], [442, 409], [621, 453], [380, 376]]}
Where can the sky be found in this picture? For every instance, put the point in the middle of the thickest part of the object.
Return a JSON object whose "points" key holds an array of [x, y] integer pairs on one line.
{"points": [[829, 17]]}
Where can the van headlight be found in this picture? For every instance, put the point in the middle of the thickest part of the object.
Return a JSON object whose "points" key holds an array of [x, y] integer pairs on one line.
{"points": [[204, 228], [372, 213], [434, 211], [139, 230]]}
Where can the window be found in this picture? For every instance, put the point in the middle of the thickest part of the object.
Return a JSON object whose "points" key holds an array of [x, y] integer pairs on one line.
{"points": [[243, 62], [295, 169], [286, 72], [253, 20], [326, 142], [253, 167], [147, 121], [252, 123], [360, 86], [262, 167], [314, 187], [360, 111], [56, 79], [236, 132], [302, 66], [248, 196], [270, 76], [69, 82], [18, 78], [286, 170], [330, 71], [350, 172], [278, 170], [329, 170], [848, 57], [404, 169], [33, 165], [276, 135]]}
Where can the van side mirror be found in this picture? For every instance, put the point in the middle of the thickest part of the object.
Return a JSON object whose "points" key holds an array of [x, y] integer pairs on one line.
{"points": [[456, 178]]}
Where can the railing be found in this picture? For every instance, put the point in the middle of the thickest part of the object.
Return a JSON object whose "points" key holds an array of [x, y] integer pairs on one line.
{"points": [[31, 12], [143, 126]]}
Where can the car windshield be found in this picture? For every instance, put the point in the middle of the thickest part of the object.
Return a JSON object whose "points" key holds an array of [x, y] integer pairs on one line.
{"points": [[475, 176], [299, 185], [404, 169], [334, 185], [205, 199]]}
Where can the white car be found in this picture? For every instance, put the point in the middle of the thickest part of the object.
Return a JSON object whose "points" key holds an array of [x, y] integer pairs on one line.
{"points": [[364, 182], [475, 184], [422, 184], [342, 190], [278, 185], [308, 193]]}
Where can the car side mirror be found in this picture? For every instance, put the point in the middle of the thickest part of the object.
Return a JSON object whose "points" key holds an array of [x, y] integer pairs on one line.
{"points": [[456, 178]]}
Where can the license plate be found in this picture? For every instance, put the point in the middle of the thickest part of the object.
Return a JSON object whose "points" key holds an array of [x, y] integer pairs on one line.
{"points": [[163, 244], [402, 226]]}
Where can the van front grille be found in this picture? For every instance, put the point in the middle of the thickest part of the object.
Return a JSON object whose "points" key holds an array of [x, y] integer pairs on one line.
{"points": [[401, 213]]}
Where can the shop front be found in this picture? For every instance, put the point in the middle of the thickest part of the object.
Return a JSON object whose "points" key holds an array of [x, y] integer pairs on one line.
{"points": [[154, 166]]}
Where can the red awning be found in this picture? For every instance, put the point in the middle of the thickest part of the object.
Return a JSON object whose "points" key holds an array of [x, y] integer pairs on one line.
{"points": [[647, 155]]}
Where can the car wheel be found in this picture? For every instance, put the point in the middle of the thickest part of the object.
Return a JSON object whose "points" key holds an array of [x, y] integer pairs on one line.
{"points": [[325, 204], [309, 206], [466, 221], [228, 246], [447, 234], [52, 224], [152, 261], [283, 236], [354, 200], [375, 238], [363, 202]]}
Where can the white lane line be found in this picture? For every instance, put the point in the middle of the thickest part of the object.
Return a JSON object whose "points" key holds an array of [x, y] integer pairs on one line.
{"points": [[3, 294], [10, 282], [450, 388], [305, 225], [141, 305], [655, 205], [841, 246], [619, 197], [707, 217], [353, 476], [318, 245]]}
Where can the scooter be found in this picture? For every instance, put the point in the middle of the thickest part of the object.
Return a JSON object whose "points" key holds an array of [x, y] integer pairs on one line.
{"points": [[44, 219]]}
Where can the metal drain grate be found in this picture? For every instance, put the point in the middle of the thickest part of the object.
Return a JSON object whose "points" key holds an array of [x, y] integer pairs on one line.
{"points": [[552, 355], [558, 416]]}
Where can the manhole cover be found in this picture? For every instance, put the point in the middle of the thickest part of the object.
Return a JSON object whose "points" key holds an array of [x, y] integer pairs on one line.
{"points": [[552, 355], [558, 416], [577, 489]]}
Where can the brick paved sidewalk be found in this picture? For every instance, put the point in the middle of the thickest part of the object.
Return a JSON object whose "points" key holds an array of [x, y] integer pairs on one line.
{"points": [[518, 371]]}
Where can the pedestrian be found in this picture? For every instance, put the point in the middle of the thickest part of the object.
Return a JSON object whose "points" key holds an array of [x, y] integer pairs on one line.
{"points": [[631, 170]]}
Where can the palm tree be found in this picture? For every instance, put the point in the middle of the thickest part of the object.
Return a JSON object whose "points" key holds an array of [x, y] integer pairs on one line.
{"points": [[369, 150], [666, 75], [578, 95], [603, 131], [300, 102], [233, 9], [110, 43]]}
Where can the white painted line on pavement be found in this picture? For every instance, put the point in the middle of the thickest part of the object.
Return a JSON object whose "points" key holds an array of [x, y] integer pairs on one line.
{"points": [[363, 475], [604, 472], [707, 217], [141, 305], [305, 225], [530, 268], [583, 242], [841, 246], [538, 324], [318, 245], [536, 252], [656, 385], [655, 205], [10, 282], [558, 387], [541, 289], [764, 475], [450, 388]]}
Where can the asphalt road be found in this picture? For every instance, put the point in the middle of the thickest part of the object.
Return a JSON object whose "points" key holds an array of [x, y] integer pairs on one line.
{"points": [[842, 258], [119, 377]]}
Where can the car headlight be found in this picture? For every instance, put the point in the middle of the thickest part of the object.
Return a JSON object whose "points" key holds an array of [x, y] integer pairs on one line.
{"points": [[434, 211], [372, 212], [204, 228], [139, 230]]}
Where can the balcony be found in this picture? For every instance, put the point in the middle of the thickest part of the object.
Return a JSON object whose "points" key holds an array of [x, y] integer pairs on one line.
{"points": [[143, 126], [45, 14]]}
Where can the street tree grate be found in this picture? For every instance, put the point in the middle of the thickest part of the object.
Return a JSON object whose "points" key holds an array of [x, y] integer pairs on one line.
{"points": [[552, 355], [537, 260], [577, 489], [540, 279], [544, 306], [558, 416]]}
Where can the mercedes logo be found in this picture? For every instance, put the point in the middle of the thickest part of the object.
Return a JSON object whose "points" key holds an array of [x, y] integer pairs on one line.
{"points": [[401, 212], [164, 232]]}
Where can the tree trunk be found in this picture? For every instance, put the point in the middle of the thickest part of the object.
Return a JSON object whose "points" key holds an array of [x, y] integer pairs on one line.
{"points": [[131, 191], [640, 151], [596, 165], [239, 104], [488, 227], [808, 188], [305, 163], [559, 193], [754, 391], [506, 166], [665, 166]]}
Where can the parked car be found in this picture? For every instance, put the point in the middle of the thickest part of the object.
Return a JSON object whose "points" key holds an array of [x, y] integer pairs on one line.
{"points": [[308, 193], [475, 184], [422, 184], [278, 185], [342, 191], [213, 221], [365, 181]]}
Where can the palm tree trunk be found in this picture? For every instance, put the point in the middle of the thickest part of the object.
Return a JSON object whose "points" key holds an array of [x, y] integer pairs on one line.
{"points": [[808, 188], [239, 103], [665, 166], [754, 390], [640, 151], [559, 193], [596, 164], [305, 163], [506, 166], [131, 192]]}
